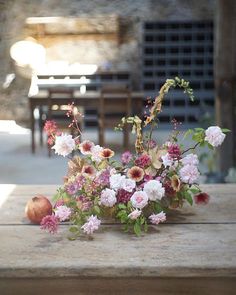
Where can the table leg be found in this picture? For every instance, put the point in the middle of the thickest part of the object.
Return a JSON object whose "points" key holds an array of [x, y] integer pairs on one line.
{"points": [[32, 126], [40, 126]]}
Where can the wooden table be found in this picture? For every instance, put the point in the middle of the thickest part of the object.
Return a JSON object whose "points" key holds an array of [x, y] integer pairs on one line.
{"points": [[86, 100], [193, 253]]}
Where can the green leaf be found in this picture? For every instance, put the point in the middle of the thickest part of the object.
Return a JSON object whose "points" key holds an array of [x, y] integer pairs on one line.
{"points": [[123, 218], [187, 133], [121, 206], [194, 190], [210, 146], [96, 210], [157, 207], [225, 130], [137, 229], [189, 198], [126, 228], [145, 226]]}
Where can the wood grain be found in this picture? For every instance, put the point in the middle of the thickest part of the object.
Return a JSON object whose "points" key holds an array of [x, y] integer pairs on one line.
{"points": [[193, 253]]}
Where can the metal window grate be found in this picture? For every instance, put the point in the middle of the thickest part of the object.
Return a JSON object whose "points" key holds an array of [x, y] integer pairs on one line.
{"points": [[183, 49]]}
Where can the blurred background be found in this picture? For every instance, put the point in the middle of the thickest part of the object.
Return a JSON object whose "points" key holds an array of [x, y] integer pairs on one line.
{"points": [[54, 52]]}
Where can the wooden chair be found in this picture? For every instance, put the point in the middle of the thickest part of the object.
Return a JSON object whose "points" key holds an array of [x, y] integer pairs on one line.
{"points": [[115, 103]]}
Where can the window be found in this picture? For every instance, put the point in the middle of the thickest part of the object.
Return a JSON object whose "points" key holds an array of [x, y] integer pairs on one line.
{"points": [[183, 49]]}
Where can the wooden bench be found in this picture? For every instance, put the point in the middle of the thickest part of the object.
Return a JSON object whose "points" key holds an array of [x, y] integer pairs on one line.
{"points": [[194, 252]]}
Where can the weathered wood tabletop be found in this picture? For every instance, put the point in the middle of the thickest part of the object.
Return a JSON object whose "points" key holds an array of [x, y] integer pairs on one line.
{"points": [[194, 252]]}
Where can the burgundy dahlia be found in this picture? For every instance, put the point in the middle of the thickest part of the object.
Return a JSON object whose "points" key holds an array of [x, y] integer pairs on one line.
{"points": [[202, 199], [123, 196], [169, 191]]}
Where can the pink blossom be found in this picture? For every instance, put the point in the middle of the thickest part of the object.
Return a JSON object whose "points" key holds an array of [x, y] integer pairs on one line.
{"points": [[116, 181], [174, 151], [64, 145], [62, 212], [128, 184], [143, 161], [80, 181], [84, 203], [72, 188], [96, 153], [50, 223], [190, 159], [154, 190], [50, 127], [167, 160], [139, 199], [103, 178], [91, 225], [126, 157], [108, 197], [152, 144], [214, 136], [157, 218], [135, 214], [189, 174], [59, 203]]}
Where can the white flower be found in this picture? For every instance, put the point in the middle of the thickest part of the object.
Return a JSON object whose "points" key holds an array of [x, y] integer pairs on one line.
{"points": [[62, 212], [214, 136], [64, 145], [128, 184], [116, 181], [96, 153], [139, 199], [157, 218], [190, 159], [91, 225], [154, 190], [167, 160], [108, 197], [135, 214], [189, 174]]}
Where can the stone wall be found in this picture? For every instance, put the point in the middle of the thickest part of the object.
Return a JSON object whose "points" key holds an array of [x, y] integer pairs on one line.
{"points": [[127, 53]]}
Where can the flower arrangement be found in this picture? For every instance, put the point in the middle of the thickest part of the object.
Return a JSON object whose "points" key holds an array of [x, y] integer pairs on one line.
{"points": [[141, 187]]}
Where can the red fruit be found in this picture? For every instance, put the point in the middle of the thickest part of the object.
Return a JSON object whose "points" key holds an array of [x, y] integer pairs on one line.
{"points": [[37, 208]]}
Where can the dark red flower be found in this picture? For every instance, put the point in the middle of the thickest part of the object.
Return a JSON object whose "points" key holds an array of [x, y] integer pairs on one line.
{"points": [[174, 151], [123, 196], [202, 199], [169, 191]]}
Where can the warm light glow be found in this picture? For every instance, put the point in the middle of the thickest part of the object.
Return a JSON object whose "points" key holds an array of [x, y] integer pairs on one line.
{"points": [[6, 190], [28, 53], [10, 127]]}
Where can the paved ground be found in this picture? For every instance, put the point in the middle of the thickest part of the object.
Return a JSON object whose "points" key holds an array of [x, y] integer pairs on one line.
{"points": [[19, 166]]}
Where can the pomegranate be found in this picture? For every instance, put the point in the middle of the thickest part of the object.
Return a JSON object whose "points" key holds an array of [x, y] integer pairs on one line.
{"points": [[37, 208]]}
